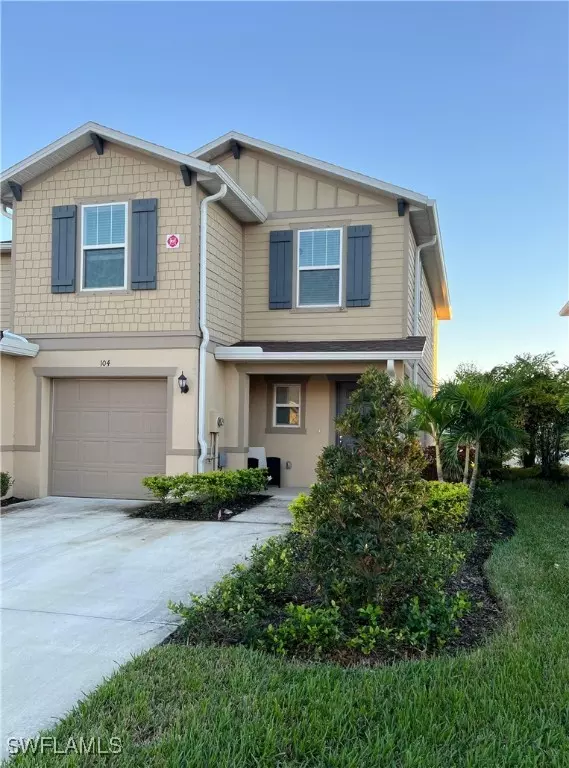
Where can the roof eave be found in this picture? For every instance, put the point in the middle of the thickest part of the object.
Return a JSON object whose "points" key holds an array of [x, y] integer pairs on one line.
{"points": [[237, 201], [257, 355]]}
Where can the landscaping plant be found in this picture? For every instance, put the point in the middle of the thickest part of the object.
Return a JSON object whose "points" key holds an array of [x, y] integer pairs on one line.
{"points": [[372, 551], [5, 483]]}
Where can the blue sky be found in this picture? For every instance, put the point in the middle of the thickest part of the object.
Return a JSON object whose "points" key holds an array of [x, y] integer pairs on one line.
{"points": [[464, 102]]}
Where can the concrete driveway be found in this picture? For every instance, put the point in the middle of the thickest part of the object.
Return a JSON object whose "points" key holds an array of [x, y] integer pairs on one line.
{"points": [[85, 587]]}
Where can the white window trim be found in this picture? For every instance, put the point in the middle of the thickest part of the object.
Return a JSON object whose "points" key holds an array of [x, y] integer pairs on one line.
{"points": [[300, 269], [104, 247], [287, 405]]}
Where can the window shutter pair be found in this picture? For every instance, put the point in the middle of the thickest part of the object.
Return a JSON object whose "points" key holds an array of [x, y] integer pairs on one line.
{"points": [[358, 268], [143, 246]]}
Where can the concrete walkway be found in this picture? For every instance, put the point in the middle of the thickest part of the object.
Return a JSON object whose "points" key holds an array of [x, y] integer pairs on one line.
{"points": [[85, 587]]}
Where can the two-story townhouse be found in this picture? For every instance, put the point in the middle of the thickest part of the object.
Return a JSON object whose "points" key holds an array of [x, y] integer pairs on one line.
{"points": [[184, 311]]}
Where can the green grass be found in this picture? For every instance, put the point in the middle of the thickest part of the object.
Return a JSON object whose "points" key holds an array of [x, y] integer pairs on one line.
{"points": [[504, 704]]}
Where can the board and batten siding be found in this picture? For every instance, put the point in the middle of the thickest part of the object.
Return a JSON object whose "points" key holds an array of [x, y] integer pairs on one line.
{"points": [[5, 292], [381, 320], [282, 187], [224, 275]]}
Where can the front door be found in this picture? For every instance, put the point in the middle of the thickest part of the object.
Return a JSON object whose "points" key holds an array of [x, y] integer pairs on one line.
{"points": [[344, 390]]}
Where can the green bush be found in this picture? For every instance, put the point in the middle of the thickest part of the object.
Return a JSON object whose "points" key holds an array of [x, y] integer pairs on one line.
{"points": [[488, 512], [445, 507], [517, 473], [213, 489], [305, 629], [5, 483]]}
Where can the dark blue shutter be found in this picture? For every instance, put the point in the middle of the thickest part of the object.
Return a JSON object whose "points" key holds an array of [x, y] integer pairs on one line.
{"points": [[63, 248], [358, 267], [144, 244], [280, 270]]}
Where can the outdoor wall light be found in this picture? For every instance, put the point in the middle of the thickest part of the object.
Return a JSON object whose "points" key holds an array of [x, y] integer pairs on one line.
{"points": [[183, 384]]}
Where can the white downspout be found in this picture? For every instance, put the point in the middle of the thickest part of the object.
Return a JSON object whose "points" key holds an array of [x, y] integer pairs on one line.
{"points": [[203, 322], [417, 298]]}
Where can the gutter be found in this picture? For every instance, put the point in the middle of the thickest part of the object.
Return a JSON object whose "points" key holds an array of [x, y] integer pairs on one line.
{"points": [[18, 346], [256, 355], [203, 323], [417, 297]]}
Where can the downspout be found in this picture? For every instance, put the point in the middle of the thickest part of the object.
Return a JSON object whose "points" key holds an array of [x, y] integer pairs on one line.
{"points": [[203, 322], [417, 298]]}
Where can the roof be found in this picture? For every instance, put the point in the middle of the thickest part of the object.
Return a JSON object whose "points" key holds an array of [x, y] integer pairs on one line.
{"points": [[244, 207], [410, 348], [422, 209], [564, 310], [410, 344]]}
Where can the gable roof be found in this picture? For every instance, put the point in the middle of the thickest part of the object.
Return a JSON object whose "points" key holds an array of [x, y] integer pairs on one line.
{"points": [[244, 207], [422, 209], [564, 312]]}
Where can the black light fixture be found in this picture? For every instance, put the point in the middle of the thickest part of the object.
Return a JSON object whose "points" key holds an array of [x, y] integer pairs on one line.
{"points": [[183, 383]]}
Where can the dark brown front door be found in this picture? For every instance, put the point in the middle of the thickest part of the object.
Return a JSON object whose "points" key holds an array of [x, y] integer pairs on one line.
{"points": [[344, 390]]}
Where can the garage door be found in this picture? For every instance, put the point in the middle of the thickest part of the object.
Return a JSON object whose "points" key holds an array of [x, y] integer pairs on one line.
{"points": [[107, 435]]}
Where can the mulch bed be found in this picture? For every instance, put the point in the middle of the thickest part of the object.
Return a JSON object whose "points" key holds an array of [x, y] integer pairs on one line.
{"points": [[9, 502], [196, 511], [487, 613]]}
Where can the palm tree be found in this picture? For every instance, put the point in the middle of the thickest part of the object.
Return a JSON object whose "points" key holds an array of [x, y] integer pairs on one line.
{"points": [[483, 412], [432, 415]]}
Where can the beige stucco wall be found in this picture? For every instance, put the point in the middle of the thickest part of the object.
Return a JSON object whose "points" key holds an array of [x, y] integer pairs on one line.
{"points": [[301, 448], [224, 275], [5, 291], [32, 430], [117, 175], [7, 412]]}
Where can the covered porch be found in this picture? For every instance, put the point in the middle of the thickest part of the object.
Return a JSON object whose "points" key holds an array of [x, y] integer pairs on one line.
{"points": [[288, 399]]}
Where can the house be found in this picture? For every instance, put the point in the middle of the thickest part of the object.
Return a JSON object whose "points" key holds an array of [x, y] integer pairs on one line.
{"points": [[564, 311], [121, 362]]}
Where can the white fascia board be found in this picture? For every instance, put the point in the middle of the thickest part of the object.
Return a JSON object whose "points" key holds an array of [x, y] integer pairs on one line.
{"points": [[256, 355], [315, 164], [254, 205], [18, 346]]}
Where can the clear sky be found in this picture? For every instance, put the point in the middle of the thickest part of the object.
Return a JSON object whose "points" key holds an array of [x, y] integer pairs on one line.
{"points": [[464, 102]]}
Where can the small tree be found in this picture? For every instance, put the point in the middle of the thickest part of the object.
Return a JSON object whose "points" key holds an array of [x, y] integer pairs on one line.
{"points": [[432, 415], [365, 505], [484, 412]]}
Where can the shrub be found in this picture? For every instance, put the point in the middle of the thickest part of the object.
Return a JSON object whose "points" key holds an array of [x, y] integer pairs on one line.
{"points": [[5, 483], [305, 629], [517, 473], [488, 512], [445, 506], [213, 489]]}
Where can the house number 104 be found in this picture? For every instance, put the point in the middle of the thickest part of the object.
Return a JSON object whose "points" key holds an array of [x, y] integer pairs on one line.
{"points": [[105, 363]]}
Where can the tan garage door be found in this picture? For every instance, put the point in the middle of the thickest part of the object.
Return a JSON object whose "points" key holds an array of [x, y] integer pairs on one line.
{"points": [[107, 435]]}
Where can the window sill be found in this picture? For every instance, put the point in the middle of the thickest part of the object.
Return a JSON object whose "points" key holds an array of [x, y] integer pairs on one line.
{"points": [[311, 310], [105, 292], [285, 431]]}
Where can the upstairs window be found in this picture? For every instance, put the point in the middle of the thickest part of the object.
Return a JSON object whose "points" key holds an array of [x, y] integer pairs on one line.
{"points": [[103, 247], [319, 268], [286, 405]]}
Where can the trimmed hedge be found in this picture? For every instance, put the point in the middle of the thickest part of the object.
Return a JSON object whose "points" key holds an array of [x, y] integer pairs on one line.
{"points": [[5, 483], [445, 506], [213, 489], [443, 509]]}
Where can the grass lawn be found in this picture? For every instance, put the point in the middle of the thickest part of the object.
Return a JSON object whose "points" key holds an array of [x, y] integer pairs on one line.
{"points": [[505, 704]]}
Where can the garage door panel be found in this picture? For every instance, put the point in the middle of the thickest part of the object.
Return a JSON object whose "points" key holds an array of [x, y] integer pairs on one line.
{"points": [[94, 423], [153, 423], [66, 451], [108, 436], [94, 392], [66, 423]]}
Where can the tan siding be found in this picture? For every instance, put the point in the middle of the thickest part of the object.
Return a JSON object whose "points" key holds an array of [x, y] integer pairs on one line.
{"points": [[5, 292], [118, 175], [426, 328], [282, 186], [411, 283], [381, 320], [225, 275]]}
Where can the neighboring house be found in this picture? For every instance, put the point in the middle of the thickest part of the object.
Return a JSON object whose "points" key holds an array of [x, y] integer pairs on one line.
{"points": [[312, 273], [564, 312]]}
